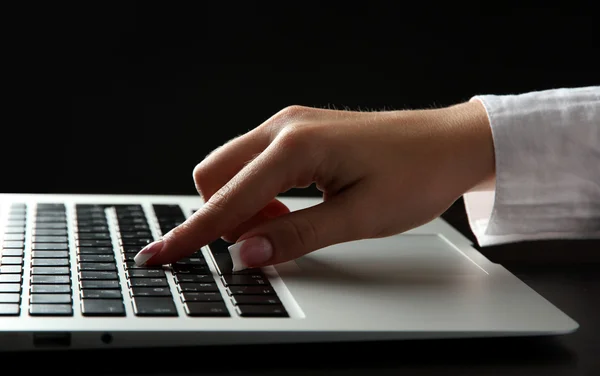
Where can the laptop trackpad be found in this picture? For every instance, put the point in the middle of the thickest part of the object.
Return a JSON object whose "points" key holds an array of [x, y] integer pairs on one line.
{"points": [[401, 258]]}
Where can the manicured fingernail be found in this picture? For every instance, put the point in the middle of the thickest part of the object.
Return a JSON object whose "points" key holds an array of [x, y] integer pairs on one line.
{"points": [[147, 252], [250, 252]]}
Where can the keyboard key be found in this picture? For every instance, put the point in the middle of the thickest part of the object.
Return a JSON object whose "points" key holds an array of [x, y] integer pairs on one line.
{"points": [[93, 236], [50, 279], [191, 269], [102, 307], [50, 298], [101, 294], [9, 310], [50, 289], [11, 252], [50, 262], [50, 232], [49, 254], [51, 226], [50, 310], [10, 298], [10, 287], [150, 291], [92, 229], [197, 287], [201, 297], [12, 244], [11, 269], [50, 270], [194, 278], [154, 306], [87, 275], [93, 243], [148, 282], [244, 280], [96, 258], [10, 278], [206, 309], [250, 290], [95, 251], [145, 273], [50, 239], [14, 237], [255, 299], [50, 247], [98, 266], [11, 260], [100, 284], [261, 311]]}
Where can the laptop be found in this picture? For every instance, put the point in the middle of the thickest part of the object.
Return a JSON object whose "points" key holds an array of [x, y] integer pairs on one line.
{"points": [[68, 281]]}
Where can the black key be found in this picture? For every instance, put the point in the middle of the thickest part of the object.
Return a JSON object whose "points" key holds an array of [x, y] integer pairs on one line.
{"points": [[50, 289], [194, 278], [51, 219], [93, 243], [87, 275], [49, 254], [50, 225], [150, 291], [129, 256], [135, 234], [50, 270], [134, 227], [97, 267], [92, 229], [100, 284], [50, 262], [191, 269], [11, 253], [275, 310], [102, 307], [136, 242], [148, 282], [50, 299], [206, 309], [131, 222], [9, 310], [10, 287], [50, 247], [219, 246], [130, 265], [244, 280], [250, 290], [101, 294], [50, 232], [96, 258], [14, 237], [145, 273], [50, 310], [13, 244], [94, 236], [83, 216], [256, 299], [50, 206], [10, 298], [10, 278], [95, 251], [197, 287], [154, 306], [190, 261], [50, 239], [89, 223], [225, 265], [201, 297], [50, 279], [11, 260], [11, 269]]}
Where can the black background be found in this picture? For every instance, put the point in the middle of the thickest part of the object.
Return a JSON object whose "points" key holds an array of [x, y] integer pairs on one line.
{"points": [[126, 97]]}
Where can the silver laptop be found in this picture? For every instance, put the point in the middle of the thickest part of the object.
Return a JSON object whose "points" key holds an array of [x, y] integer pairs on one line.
{"points": [[67, 280]]}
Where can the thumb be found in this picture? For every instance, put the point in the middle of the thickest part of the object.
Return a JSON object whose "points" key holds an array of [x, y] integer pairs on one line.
{"points": [[292, 235]]}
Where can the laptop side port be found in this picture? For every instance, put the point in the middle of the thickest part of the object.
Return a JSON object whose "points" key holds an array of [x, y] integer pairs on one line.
{"points": [[51, 339]]}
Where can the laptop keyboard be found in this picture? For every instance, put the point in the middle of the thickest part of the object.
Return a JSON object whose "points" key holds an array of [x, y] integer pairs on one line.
{"points": [[102, 250]]}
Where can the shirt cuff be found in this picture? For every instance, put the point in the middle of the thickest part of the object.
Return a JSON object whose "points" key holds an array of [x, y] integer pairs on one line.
{"points": [[547, 185]]}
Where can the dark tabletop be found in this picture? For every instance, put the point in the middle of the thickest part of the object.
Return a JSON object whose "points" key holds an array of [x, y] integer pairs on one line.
{"points": [[564, 272]]}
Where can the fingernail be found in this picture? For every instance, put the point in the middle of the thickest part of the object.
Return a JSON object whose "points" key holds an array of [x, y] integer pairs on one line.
{"points": [[147, 252], [250, 252]]}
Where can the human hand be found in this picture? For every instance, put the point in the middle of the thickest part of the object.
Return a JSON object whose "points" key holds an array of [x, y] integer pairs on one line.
{"points": [[381, 173]]}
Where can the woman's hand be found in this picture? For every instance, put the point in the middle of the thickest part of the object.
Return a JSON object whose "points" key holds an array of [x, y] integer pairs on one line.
{"points": [[381, 173]]}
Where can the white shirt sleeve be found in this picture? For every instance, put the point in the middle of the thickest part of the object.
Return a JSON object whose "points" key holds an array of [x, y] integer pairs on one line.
{"points": [[547, 186]]}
